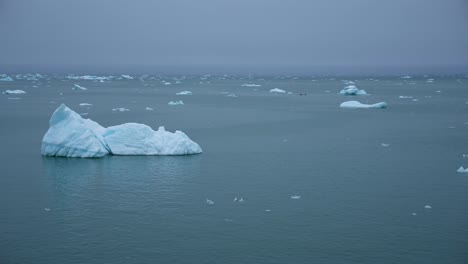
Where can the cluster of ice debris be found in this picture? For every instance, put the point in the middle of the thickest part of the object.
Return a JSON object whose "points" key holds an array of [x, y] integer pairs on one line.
{"points": [[70, 135], [352, 90]]}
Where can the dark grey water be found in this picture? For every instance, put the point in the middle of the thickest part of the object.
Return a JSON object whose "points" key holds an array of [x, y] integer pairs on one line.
{"points": [[357, 197]]}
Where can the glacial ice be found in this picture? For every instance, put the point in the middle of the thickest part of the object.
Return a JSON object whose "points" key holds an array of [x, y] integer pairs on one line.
{"points": [[356, 104], [352, 90], [14, 92], [184, 93], [70, 135], [277, 90]]}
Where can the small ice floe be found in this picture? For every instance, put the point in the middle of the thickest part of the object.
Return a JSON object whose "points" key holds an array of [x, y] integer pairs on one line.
{"points": [[352, 90], [438, 91], [251, 85], [241, 200], [296, 197], [47, 209], [120, 109], [356, 104], [235, 199], [277, 90], [267, 210], [462, 170], [405, 97], [149, 109], [427, 207], [184, 93], [209, 202], [85, 104], [465, 156], [430, 80], [76, 86], [414, 214], [231, 95], [406, 77], [128, 77], [175, 103], [384, 145], [14, 92], [167, 83], [227, 220], [5, 78]]}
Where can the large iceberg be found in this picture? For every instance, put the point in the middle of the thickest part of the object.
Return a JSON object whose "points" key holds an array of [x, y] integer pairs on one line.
{"points": [[356, 104], [352, 90], [70, 135]]}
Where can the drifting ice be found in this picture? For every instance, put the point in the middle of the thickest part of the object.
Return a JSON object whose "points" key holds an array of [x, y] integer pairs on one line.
{"points": [[79, 87], [184, 93], [462, 170], [70, 135], [251, 85], [356, 104], [14, 92], [352, 90], [175, 103], [277, 90]]}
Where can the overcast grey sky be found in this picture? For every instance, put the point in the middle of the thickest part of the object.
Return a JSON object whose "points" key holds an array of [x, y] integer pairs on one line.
{"points": [[243, 35]]}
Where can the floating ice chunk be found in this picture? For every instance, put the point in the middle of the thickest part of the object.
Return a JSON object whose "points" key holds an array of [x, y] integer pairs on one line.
{"points": [[241, 200], [184, 93], [76, 86], [352, 90], [462, 170], [139, 139], [149, 109], [70, 135], [85, 104], [209, 202], [428, 207], [128, 77], [438, 91], [89, 77], [231, 95], [277, 90], [227, 220], [175, 103], [406, 77], [414, 214], [356, 104], [251, 85], [384, 144], [430, 80], [295, 197], [47, 209], [235, 199], [120, 109], [14, 92], [405, 97], [267, 210], [5, 78], [167, 83]]}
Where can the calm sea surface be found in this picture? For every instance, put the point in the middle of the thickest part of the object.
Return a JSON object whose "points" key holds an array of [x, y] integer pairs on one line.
{"points": [[360, 201]]}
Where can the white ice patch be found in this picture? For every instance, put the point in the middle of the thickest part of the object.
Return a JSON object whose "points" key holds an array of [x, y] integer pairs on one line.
{"points": [[14, 92], [277, 90], [209, 202], [462, 170], [384, 145], [356, 104], [251, 85], [175, 103], [85, 104], [5, 78], [184, 93], [405, 97], [427, 207], [76, 86], [296, 197], [149, 109], [128, 77], [352, 90], [70, 135], [120, 109]]}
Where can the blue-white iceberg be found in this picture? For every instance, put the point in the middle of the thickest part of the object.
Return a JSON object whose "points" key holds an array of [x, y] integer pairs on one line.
{"points": [[70, 135], [356, 104], [352, 90]]}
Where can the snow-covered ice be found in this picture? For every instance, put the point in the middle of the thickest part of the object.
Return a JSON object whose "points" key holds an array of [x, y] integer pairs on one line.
{"points": [[70, 135], [356, 104], [352, 90], [128, 77], [231, 95], [277, 90], [184, 93], [76, 86], [14, 92], [462, 170], [175, 103]]}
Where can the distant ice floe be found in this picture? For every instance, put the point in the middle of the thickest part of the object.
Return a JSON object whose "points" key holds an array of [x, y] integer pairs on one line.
{"points": [[231, 95], [128, 77], [352, 90], [385, 145], [427, 207], [465, 155], [29, 76], [149, 109], [14, 92], [209, 202], [167, 83], [277, 90], [85, 104], [296, 197], [430, 80], [462, 170], [89, 77], [5, 78], [405, 97], [406, 77], [356, 104], [120, 109], [175, 103], [251, 85], [184, 93], [76, 86], [70, 135]]}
